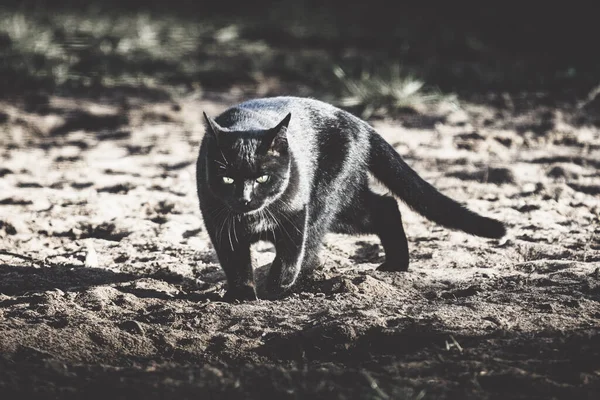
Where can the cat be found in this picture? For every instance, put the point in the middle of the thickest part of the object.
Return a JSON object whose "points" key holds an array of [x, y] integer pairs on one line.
{"points": [[289, 170]]}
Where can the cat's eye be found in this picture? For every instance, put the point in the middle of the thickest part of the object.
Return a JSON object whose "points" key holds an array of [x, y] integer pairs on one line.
{"points": [[262, 179], [227, 180]]}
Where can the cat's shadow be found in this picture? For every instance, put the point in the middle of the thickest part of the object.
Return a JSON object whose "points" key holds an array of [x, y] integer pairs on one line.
{"points": [[19, 280]]}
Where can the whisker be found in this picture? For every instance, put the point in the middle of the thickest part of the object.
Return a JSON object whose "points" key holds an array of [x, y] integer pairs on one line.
{"points": [[221, 214], [279, 224], [263, 216], [273, 231], [229, 230], [221, 230], [221, 165], [223, 155], [234, 233], [289, 208], [291, 222], [216, 212]]}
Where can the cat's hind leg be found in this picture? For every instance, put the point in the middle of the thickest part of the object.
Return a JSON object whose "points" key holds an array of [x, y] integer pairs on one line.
{"points": [[387, 224], [374, 213]]}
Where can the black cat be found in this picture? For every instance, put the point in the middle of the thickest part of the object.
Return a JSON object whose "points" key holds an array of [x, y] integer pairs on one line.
{"points": [[289, 170]]}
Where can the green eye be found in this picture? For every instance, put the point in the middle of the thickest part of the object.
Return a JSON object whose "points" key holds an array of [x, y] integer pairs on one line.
{"points": [[262, 179], [227, 180]]}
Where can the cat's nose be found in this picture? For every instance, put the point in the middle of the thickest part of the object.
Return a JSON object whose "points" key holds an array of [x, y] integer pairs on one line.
{"points": [[246, 195], [244, 200]]}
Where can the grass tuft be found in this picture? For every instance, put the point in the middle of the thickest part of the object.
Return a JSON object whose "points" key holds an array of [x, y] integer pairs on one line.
{"points": [[381, 93]]}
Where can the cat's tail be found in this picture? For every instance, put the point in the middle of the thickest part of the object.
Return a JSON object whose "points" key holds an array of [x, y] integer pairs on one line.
{"points": [[389, 168]]}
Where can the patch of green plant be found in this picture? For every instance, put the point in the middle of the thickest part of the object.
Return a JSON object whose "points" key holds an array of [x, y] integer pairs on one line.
{"points": [[385, 91]]}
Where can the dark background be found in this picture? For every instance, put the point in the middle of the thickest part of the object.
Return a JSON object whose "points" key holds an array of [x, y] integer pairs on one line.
{"points": [[457, 47]]}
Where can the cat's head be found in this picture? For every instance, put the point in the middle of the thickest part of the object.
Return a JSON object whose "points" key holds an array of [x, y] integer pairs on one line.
{"points": [[247, 169]]}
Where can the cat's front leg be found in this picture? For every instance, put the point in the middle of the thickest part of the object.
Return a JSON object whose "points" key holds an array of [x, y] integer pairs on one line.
{"points": [[235, 259], [290, 240]]}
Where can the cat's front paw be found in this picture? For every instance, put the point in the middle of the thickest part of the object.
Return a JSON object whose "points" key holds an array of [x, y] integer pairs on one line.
{"points": [[242, 293], [276, 291], [393, 266], [273, 295]]}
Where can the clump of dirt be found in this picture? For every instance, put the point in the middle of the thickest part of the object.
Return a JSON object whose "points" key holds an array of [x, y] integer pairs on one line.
{"points": [[491, 175]]}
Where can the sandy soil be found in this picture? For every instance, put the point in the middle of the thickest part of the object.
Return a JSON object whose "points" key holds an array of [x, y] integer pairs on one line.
{"points": [[109, 284]]}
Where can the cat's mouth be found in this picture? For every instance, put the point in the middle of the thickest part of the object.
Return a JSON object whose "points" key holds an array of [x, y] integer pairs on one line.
{"points": [[254, 211], [247, 209]]}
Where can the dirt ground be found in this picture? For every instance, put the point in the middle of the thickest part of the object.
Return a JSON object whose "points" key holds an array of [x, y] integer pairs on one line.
{"points": [[109, 284]]}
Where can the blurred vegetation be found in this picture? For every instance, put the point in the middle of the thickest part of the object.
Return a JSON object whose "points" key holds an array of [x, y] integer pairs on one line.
{"points": [[384, 91], [374, 55]]}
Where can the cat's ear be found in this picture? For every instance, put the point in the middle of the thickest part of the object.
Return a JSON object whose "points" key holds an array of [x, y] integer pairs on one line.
{"points": [[212, 128], [283, 125], [275, 140]]}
